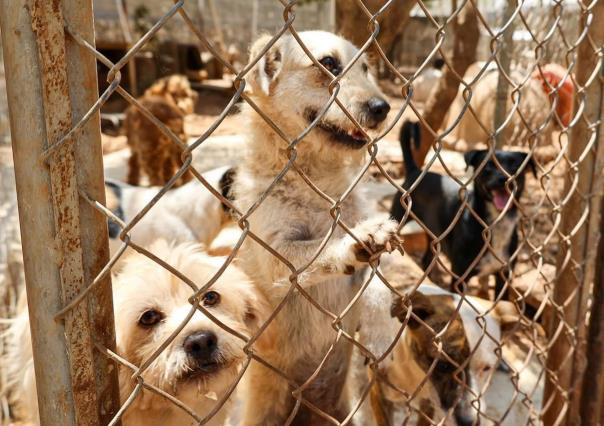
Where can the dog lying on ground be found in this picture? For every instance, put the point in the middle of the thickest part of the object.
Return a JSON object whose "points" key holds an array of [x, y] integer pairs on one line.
{"points": [[436, 202], [169, 100], [190, 213], [534, 107], [197, 367], [293, 219], [458, 374]]}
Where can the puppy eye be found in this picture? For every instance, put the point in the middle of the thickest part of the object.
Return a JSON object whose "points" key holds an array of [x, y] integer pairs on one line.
{"points": [[211, 298], [150, 318], [332, 64], [365, 68], [486, 368]]}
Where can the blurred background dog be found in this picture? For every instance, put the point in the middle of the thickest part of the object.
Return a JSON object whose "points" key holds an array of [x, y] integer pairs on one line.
{"points": [[153, 153]]}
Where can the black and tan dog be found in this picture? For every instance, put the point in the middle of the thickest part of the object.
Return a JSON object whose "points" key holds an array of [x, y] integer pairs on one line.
{"points": [[436, 202], [440, 380]]}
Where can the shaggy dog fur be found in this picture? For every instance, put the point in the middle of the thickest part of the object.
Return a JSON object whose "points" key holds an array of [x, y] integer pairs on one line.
{"points": [[293, 219], [197, 367], [153, 153]]}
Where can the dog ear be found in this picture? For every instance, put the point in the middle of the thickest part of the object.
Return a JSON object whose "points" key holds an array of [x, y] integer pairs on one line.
{"points": [[506, 314], [530, 165], [473, 157], [257, 310], [421, 306], [267, 69], [417, 134]]}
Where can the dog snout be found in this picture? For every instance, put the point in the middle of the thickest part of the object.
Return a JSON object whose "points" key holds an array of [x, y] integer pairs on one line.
{"points": [[201, 346], [466, 420], [378, 109]]}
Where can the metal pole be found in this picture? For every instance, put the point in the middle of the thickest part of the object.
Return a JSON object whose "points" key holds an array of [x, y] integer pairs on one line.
{"points": [[592, 403], [580, 218], [51, 82], [504, 63]]}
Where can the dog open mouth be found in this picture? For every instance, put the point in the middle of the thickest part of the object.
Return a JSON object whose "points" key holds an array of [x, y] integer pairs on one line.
{"points": [[352, 139], [500, 198], [202, 370]]}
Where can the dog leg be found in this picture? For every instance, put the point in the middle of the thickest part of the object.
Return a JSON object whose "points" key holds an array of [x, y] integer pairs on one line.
{"points": [[268, 400], [341, 257], [154, 168], [427, 258], [134, 169], [169, 167]]}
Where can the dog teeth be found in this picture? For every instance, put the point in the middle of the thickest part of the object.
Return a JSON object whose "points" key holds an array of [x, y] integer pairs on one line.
{"points": [[358, 135], [211, 395]]}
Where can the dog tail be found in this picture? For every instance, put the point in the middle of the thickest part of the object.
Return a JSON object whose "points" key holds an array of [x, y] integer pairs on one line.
{"points": [[410, 132]]}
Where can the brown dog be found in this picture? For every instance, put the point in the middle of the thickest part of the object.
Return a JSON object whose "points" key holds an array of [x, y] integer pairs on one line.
{"points": [[153, 153]]}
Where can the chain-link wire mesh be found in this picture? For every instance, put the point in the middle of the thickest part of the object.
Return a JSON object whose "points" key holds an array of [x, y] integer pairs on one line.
{"points": [[525, 369]]}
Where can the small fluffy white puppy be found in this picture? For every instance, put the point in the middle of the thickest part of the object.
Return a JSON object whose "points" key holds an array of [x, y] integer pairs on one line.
{"points": [[197, 367]]}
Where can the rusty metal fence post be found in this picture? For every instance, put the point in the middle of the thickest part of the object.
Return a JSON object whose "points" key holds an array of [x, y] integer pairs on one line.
{"points": [[592, 404], [580, 220], [51, 84]]}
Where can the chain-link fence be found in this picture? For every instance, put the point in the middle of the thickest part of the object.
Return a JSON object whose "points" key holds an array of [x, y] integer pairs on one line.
{"points": [[338, 324]]}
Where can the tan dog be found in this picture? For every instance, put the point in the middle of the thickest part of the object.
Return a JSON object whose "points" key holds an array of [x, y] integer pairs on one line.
{"points": [[534, 108], [458, 374], [197, 367], [154, 154], [294, 220], [176, 89]]}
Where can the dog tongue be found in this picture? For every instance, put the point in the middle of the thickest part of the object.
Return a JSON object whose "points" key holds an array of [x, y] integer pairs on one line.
{"points": [[500, 199], [358, 135]]}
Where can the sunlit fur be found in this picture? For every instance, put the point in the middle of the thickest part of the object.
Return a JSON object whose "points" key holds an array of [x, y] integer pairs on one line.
{"points": [[142, 284], [287, 86]]}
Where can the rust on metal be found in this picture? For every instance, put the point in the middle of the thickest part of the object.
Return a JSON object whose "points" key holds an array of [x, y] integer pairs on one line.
{"points": [[83, 86], [78, 248]]}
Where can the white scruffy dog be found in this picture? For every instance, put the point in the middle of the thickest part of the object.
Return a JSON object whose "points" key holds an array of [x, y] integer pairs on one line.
{"points": [[294, 220], [150, 303]]}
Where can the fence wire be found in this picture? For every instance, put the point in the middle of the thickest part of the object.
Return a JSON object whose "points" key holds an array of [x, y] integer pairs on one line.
{"points": [[558, 228]]}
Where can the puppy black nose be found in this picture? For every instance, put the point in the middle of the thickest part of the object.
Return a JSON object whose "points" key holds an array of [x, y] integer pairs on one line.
{"points": [[466, 421], [201, 346], [378, 109]]}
